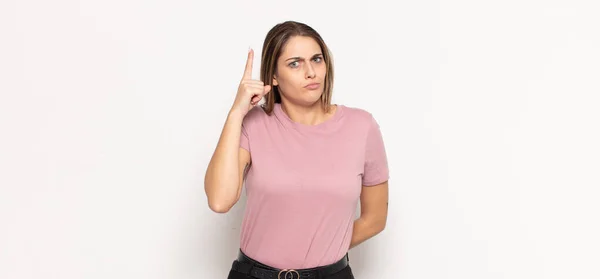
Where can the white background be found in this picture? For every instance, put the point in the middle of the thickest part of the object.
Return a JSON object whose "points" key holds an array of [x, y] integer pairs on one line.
{"points": [[110, 111]]}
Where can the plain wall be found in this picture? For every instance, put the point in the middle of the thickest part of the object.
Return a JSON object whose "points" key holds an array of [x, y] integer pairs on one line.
{"points": [[110, 111]]}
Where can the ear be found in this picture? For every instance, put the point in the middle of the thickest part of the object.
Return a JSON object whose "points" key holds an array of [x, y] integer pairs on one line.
{"points": [[275, 83]]}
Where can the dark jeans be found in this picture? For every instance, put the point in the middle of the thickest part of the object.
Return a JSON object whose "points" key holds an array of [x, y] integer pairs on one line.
{"points": [[345, 273]]}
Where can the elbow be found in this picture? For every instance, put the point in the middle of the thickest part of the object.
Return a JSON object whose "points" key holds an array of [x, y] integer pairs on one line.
{"points": [[372, 224], [378, 225], [382, 227], [219, 207], [382, 223], [219, 202]]}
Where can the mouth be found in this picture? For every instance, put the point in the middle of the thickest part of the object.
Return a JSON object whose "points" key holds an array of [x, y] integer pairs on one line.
{"points": [[313, 86]]}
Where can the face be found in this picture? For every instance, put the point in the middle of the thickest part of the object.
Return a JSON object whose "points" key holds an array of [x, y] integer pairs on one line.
{"points": [[301, 64]]}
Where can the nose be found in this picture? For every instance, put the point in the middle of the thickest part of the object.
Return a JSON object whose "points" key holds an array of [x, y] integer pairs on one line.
{"points": [[310, 71]]}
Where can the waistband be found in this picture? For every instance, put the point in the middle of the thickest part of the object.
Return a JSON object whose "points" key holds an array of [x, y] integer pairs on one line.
{"points": [[249, 266]]}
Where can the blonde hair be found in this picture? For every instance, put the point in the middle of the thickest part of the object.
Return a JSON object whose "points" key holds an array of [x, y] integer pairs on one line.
{"points": [[273, 45]]}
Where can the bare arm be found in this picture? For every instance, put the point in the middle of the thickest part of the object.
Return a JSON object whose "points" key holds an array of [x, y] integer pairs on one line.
{"points": [[225, 172], [373, 217]]}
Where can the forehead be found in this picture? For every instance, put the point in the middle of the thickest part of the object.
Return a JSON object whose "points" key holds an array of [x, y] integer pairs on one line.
{"points": [[300, 46]]}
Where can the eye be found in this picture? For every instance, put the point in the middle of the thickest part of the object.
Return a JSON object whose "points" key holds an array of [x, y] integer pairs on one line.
{"points": [[292, 64], [318, 58]]}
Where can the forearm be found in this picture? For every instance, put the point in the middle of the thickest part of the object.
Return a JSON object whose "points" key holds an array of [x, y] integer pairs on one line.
{"points": [[364, 229], [222, 174]]}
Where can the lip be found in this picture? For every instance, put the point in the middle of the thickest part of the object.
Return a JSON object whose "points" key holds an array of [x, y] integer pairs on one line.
{"points": [[313, 86]]}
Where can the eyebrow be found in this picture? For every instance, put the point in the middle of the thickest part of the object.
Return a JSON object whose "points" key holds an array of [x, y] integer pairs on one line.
{"points": [[300, 58]]}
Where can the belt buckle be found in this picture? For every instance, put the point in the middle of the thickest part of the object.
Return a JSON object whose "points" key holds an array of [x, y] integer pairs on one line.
{"points": [[288, 271]]}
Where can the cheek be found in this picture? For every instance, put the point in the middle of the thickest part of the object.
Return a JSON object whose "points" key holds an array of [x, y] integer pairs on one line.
{"points": [[292, 80], [288, 84], [322, 69]]}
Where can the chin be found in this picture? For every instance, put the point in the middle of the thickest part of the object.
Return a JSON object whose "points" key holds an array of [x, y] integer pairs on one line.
{"points": [[312, 98]]}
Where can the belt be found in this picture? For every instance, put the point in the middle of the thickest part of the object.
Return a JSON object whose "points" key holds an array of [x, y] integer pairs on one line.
{"points": [[248, 266]]}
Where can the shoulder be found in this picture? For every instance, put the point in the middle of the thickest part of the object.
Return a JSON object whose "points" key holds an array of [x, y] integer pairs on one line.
{"points": [[256, 114], [359, 116]]}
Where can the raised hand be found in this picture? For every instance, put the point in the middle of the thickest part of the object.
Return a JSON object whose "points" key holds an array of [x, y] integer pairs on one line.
{"points": [[250, 91]]}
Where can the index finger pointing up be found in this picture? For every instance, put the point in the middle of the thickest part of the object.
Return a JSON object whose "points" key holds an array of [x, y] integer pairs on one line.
{"points": [[248, 70]]}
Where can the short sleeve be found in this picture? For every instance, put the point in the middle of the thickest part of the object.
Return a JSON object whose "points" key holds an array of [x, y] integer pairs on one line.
{"points": [[244, 141], [376, 166], [255, 115]]}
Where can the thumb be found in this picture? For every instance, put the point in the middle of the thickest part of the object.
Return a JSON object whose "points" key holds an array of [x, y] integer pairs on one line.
{"points": [[267, 89]]}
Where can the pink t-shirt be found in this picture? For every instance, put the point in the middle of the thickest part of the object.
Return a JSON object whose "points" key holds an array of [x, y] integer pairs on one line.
{"points": [[304, 184]]}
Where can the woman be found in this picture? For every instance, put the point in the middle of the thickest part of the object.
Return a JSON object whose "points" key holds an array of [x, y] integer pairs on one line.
{"points": [[306, 164]]}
